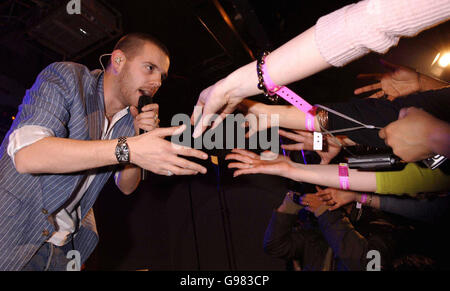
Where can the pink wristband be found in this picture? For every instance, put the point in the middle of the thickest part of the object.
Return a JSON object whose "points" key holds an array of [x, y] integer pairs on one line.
{"points": [[288, 95], [363, 198], [343, 176], [310, 119]]}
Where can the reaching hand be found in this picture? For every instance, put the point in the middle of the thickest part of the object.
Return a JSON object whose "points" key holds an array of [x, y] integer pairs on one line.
{"points": [[336, 198], [251, 163], [416, 135], [311, 202], [256, 115], [212, 100], [400, 81], [305, 141], [152, 152]]}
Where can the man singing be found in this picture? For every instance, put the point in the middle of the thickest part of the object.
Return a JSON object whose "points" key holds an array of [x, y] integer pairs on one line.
{"points": [[73, 129]]}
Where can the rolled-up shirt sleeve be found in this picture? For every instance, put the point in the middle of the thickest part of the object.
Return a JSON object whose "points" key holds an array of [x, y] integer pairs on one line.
{"points": [[374, 25], [26, 136]]}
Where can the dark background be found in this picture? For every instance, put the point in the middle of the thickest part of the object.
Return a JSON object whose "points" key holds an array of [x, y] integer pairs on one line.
{"points": [[185, 223]]}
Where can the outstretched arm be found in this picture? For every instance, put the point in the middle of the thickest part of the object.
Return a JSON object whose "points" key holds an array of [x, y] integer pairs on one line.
{"points": [[337, 39]]}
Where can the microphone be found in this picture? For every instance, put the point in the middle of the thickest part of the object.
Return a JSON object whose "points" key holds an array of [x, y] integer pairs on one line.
{"points": [[144, 100]]}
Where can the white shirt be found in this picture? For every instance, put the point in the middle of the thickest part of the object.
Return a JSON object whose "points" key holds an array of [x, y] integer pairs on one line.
{"points": [[68, 218]]}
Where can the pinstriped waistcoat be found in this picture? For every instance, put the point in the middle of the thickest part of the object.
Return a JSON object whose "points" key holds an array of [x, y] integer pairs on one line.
{"points": [[68, 99]]}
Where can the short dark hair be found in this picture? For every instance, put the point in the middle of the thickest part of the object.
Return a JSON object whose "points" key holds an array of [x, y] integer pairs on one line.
{"points": [[131, 43]]}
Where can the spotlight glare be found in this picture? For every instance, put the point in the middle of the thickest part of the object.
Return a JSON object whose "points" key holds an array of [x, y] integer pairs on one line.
{"points": [[436, 58], [444, 61]]}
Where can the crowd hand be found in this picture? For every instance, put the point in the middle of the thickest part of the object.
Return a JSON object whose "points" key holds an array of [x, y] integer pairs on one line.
{"points": [[256, 114], [213, 100], [409, 136], [251, 163], [399, 81], [147, 120], [311, 202], [152, 152], [305, 140], [336, 198]]}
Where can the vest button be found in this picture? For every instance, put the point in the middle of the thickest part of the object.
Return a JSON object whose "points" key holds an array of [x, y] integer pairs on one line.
{"points": [[45, 232], [44, 211]]}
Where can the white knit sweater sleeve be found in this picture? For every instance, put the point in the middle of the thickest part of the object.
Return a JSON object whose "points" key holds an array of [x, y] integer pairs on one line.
{"points": [[374, 25]]}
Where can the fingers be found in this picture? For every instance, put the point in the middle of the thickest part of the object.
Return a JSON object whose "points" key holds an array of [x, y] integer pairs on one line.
{"points": [[239, 166], [150, 107], [180, 171], [246, 153], [336, 206], [134, 111], [168, 131], [148, 118], [189, 152], [240, 158], [382, 133], [198, 109], [368, 88], [218, 120], [378, 94], [247, 172], [152, 114], [148, 125], [292, 136], [202, 124], [188, 165]]}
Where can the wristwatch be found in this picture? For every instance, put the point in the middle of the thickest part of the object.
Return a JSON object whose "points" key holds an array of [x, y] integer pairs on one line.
{"points": [[122, 151]]}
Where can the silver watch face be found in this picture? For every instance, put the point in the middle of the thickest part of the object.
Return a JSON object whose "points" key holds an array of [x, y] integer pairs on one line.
{"points": [[122, 153]]}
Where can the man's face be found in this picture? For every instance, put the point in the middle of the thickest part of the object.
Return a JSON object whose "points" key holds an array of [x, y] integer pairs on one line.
{"points": [[143, 74]]}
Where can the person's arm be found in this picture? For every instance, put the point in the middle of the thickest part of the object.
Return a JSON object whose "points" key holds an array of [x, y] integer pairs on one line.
{"points": [[348, 244], [149, 151], [398, 82], [279, 239], [128, 178], [417, 135], [391, 182], [337, 39], [47, 105], [426, 210], [288, 116], [324, 175]]}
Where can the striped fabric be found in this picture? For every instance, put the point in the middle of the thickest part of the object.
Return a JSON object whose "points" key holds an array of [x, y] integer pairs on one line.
{"points": [[374, 25], [68, 99]]}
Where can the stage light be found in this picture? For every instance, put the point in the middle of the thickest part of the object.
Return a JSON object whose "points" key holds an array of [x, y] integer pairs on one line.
{"points": [[436, 59], [444, 61]]}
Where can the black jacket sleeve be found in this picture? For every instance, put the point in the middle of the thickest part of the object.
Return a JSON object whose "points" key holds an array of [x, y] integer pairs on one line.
{"points": [[280, 241], [349, 246], [381, 112]]}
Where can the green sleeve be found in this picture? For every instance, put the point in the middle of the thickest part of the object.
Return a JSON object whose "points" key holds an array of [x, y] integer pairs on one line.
{"points": [[412, 180]]}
